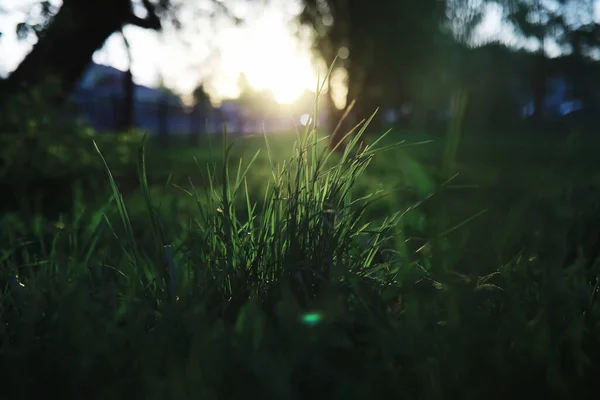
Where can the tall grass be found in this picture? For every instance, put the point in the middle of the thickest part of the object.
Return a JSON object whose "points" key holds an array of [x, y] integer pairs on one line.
{"points": [[93, 305], [293, 296]]}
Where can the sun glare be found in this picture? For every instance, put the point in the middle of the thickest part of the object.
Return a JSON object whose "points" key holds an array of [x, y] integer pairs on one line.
{"points": [[271, 58], [264, 48], [286, 82]]}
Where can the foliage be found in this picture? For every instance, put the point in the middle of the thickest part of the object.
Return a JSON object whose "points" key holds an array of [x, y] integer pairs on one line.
{"points": [[201, 98], [566, 25], [387, 45], [37, 20]]}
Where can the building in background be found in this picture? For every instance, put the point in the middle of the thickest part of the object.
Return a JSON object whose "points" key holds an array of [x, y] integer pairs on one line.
{"points": [[99, 96]]}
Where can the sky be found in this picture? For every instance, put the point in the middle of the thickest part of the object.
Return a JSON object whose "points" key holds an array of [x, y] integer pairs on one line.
{"points": [[267, 47]]}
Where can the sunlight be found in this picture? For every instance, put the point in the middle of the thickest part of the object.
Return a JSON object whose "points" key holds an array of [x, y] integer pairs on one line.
{"points": [[265, 48], [270, 56], [282, 80]]}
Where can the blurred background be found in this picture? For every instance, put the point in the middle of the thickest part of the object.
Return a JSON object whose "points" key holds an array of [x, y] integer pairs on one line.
{"points": [[189, 66], [464, 259], [504, 92]]}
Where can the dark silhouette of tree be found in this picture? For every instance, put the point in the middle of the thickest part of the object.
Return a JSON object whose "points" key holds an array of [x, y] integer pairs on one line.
{"points": [[200, 109], [533, 19], [201, 98], [68, 40], [69, 35], [387, 44], [567, 23], [127, 108], [256, 104]]}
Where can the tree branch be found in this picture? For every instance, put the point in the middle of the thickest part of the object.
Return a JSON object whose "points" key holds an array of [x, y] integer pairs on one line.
{"points": [[152, 21]]}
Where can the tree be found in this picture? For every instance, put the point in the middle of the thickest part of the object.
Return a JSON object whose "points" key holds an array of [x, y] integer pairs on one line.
{"points": [[68, 37], [128, 90], [201, 98], [257, 102], [68, 40], [545, 22], [201, 107], [568, 24], [387, 44]]}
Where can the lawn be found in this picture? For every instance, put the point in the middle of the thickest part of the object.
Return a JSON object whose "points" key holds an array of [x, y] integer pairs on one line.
{"points": [[468, 278]]}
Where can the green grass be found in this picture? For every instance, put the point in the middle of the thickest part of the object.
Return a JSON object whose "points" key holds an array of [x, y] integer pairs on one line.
{"points": [[525, 180], [274, 269]]}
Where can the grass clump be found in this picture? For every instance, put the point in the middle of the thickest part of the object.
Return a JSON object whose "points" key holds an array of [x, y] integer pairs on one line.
{"points": [[290, 295], [247, 286]]}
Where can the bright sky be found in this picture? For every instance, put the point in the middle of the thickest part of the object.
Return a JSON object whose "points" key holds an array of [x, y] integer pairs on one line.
{"points": [[266, 48]]}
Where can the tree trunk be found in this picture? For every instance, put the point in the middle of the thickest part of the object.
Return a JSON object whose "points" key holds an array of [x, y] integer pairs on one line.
{"points": [[66, 48], [349, 117], [127, 105], [539, 71], [539, 87], [163, 120], [196, 116], [333, 114], [128, 117]]}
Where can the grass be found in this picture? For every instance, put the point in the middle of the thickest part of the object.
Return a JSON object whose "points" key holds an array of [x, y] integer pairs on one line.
{"points": [[287, 274]]}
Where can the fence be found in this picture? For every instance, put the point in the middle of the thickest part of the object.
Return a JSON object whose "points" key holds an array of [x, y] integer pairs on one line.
{"points": [[165, 116]]}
